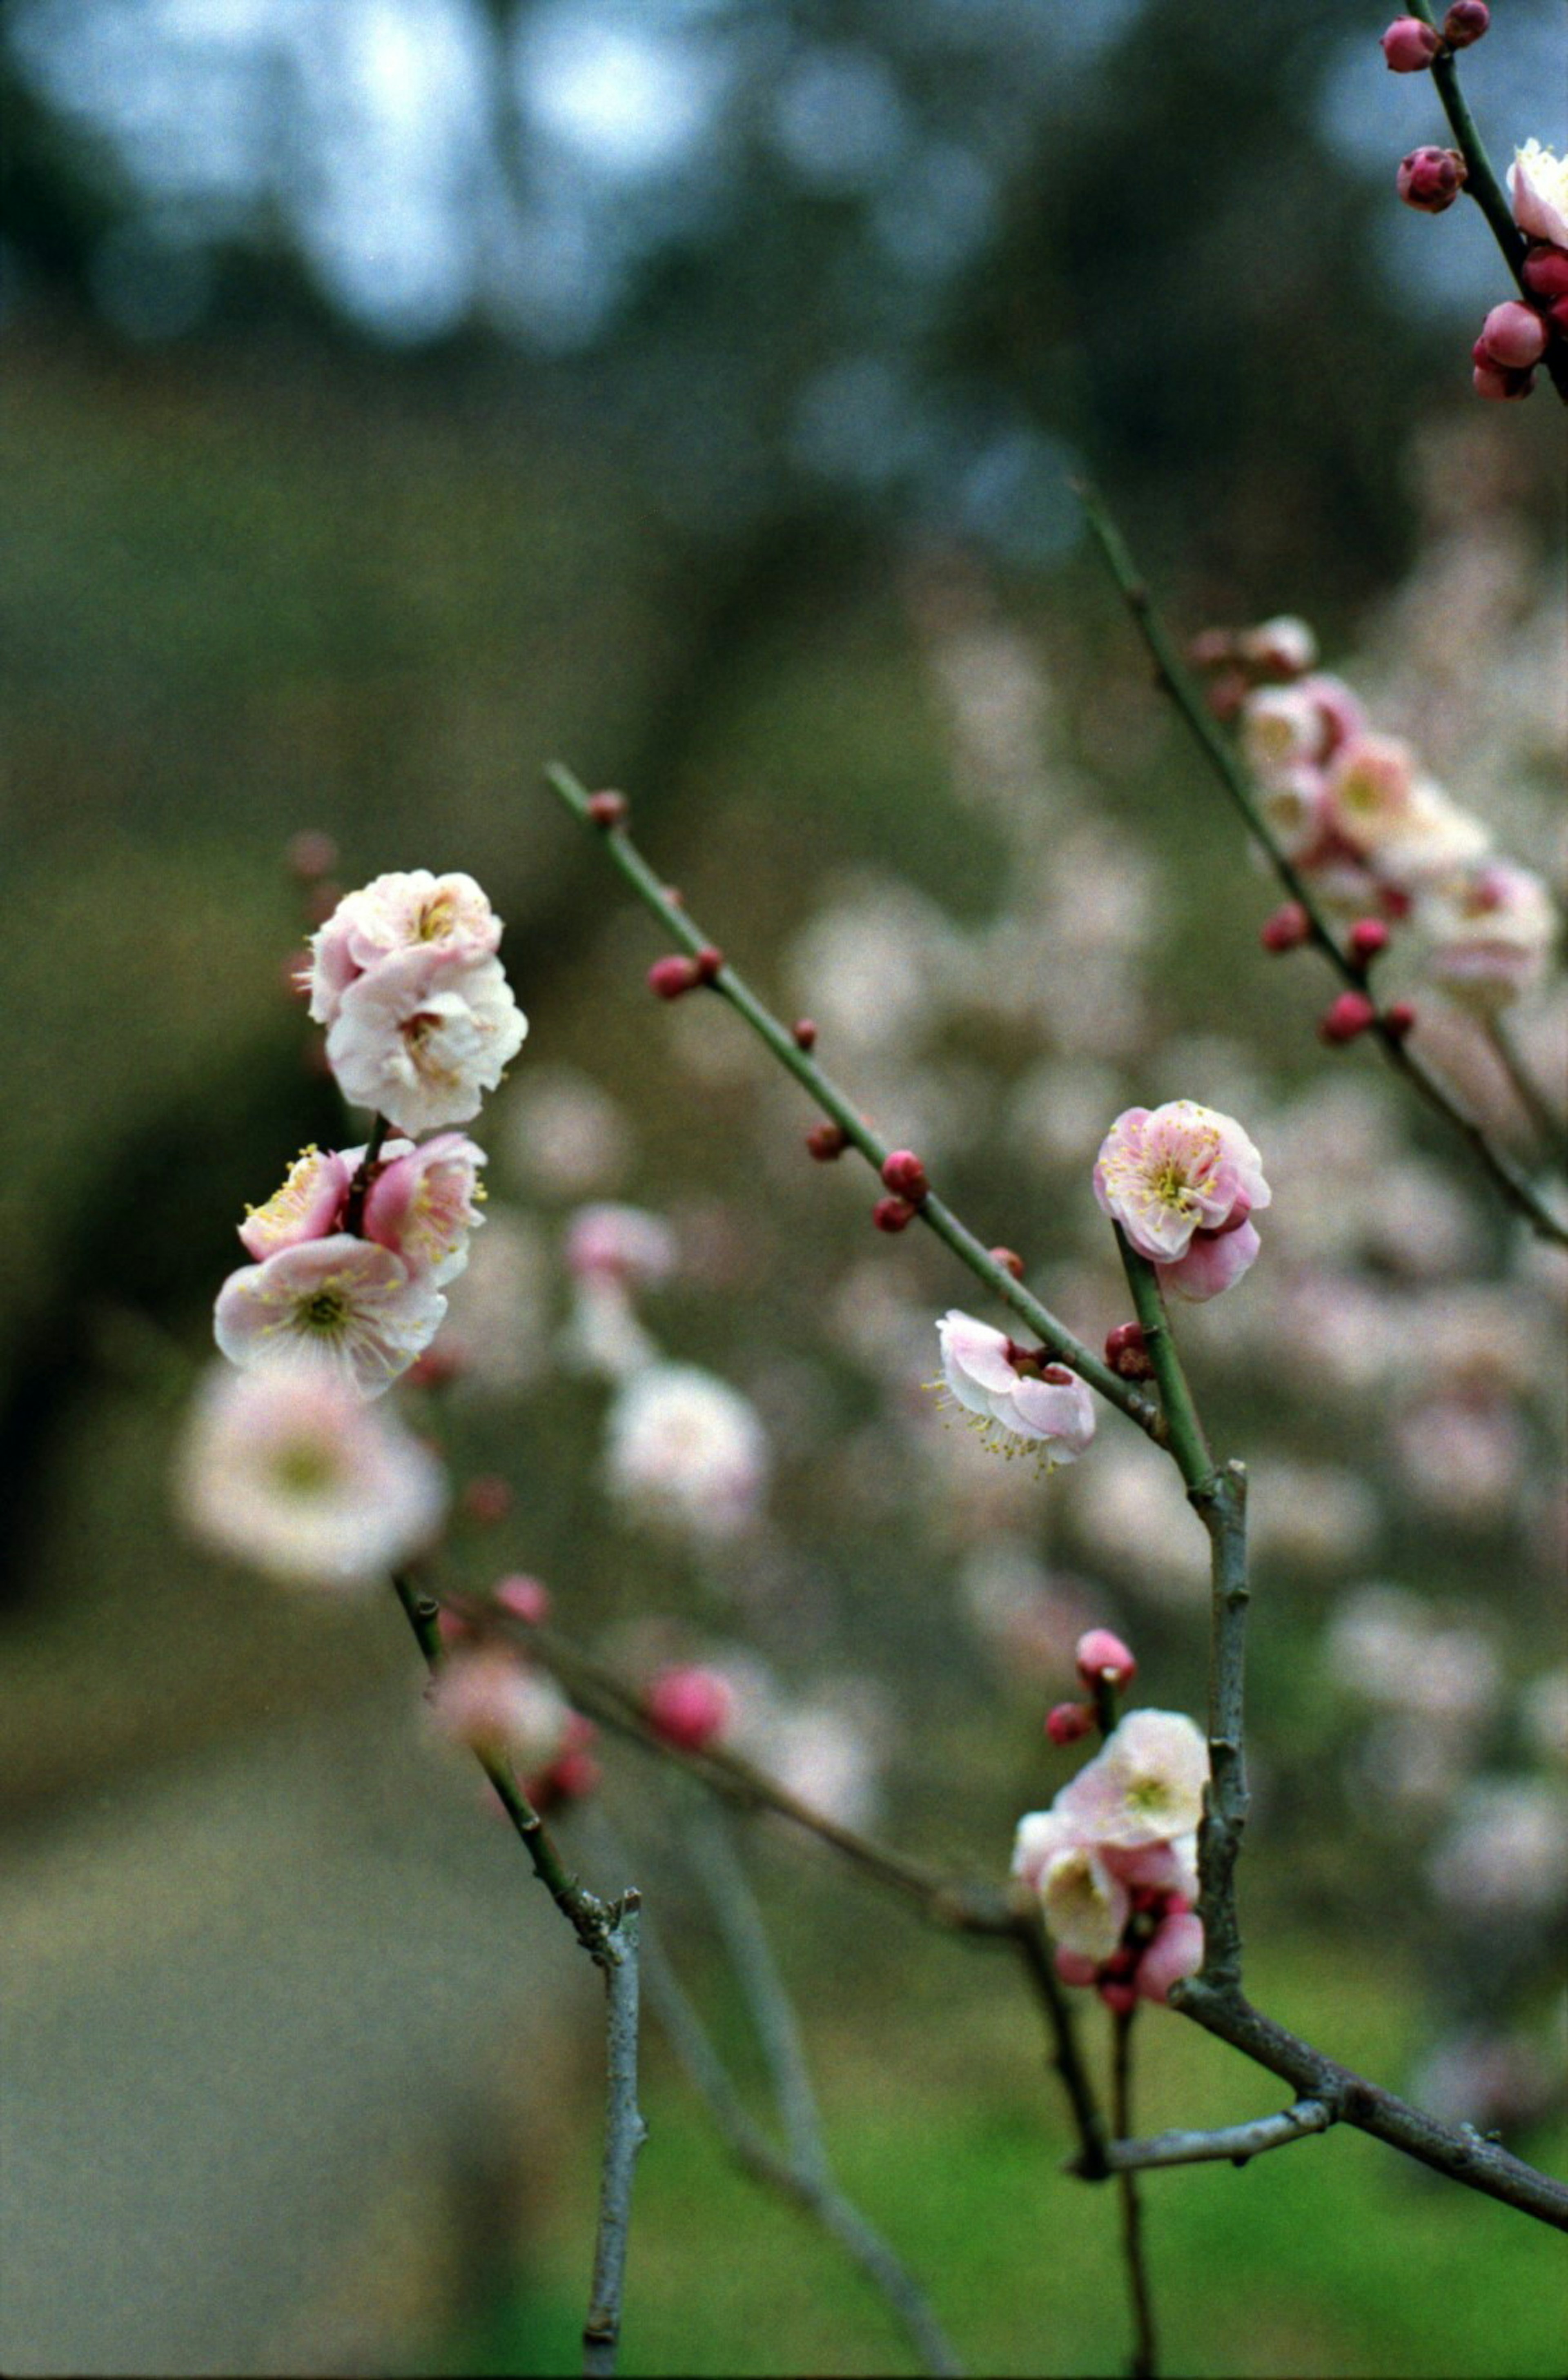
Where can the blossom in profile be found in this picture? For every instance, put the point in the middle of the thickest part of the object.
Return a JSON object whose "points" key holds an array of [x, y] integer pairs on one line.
{"points": [[1489, 934], [1182, 1181], [1537, 188], [424, 1202], [1043, 1409], [447, 919], [307, 1206], [687, 1450], [501, 1708], [421, 1037], [611, 1242], [290, 1471], [339, 1305]]}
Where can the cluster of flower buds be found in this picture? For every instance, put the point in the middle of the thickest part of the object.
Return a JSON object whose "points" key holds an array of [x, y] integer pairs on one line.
{"points": [[1115, 1859], [1105, 1666], [1375, 841], [351, 1254], [1019, 1401], [1411, 45], [1517, 333]]}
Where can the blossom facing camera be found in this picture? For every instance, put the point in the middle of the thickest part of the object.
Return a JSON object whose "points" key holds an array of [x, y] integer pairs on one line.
{"points": [[1430, 179], [422, 1036], [1182, 1181], [307, 1206], [687, 1450], [1144, 1786], [1044, 1410], [290, 1471], [423, 1204], [447, 918], [340, 1305], [1537, 189]]}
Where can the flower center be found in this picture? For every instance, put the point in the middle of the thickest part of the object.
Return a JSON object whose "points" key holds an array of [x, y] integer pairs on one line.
{"points": [[325, 1312], [302, 1470]]}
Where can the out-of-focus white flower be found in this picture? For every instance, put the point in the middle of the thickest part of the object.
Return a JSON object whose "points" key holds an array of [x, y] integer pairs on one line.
{"points": [[1182, 1181], [620, 1243], [685, 1449], [1320, 1514], [1463, 1456], [502, 1708], [423, 1202], [290, 1471], [1507, 1850], [1049, 1413], [827, 1758], [876, 969], [602, 1336], [446, 917], [1538, 185], [1385, 1643], [1543, 1708], [306, 1207], [565, 1137], [422, 1037], [1085, 1905], [339, 1304], [1489, 935], [1128, 1508]]}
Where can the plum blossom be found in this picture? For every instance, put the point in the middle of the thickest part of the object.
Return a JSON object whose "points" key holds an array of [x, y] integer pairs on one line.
{"points": [[1144, 1786], [501, 1708], [1182, 1181], [687, 1450], [422, 1035], [340, 1305], [447, 919], [424, 1202], [623, 1243], [307, 1206], [1489, 935], [289, 1471], [1538, 185], [1043, 1409]]}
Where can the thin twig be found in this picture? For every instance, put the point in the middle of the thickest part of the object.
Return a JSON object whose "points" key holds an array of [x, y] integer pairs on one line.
{"points": [[834, 1104], [1216, 748], [1146, 2352], [624, 2132], [1232, 2143], [805, 2183]]}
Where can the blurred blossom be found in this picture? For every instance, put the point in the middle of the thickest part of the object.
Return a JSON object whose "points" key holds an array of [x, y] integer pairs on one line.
{"points": [[1506, 1852], [1543, 1711], [1029, 1616], [686, 1449], [1404, 1763], [838, 118], [501, 1708], [620, 1243], [1462, 1457], [874, 1318], [563, 1137], [1317, 1515], [1334, 1330], [1387, 1645], [1481, 1340], [1488, 2079], [876, 967], [497, 1328], [291, 1472], [602, 1336], [1128, 1508], [1421, 1221], [827, 1758]]}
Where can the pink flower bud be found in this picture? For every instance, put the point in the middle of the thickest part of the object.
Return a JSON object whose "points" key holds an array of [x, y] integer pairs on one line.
{"points": [[1075, 1968], [1345, 1017], [1399, 1017], [1557, 314], [524, 1598], [1409, 46], [607, 810], [309, 854], [827, 1141], [1126, 1352], [1430, 179], [893, 1214], [1069, 1722], [1283, 648], [1119, 1999], [689, 1707], [802, 1033], [1212, 647], [1010, 1261], [1493, 381], [1369, 940], [1175, 1952], [668, 978], [1546, 271], [906, 1176], [1513, 336], [1286, 930], [1102, 1659], [708, 962], [1466, 22]]}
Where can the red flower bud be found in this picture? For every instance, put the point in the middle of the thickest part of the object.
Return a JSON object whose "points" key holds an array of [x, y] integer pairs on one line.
{"points": [[904, 1175], [607, 810], [1126, 1352], [524, 1598], [1069, 1722], [1494, 382], [1546, 271], [1286, 930], [1345, 1017], [827, 1141], [1119, 1999], [1398, 1018], [893, 1214], [1512, 338], [708, 962], [689, 1707], [1369, 940], [1430, 179], [1409, 46], [1010, 1261], [802, 1033], [1466, 22], [671, 976], [1103, 1658]]}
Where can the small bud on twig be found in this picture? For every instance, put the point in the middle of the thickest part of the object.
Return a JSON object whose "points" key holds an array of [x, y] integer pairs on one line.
{"points": [[1409, 46], [1010, 1261], [1466, 22], [1369, 940], [1126, 1352], [669, 978], [608, 810], [1286, 930], [1345, 1017], [708, 962], [906, 1176], [1398, 1018], [802, 1033], [827, 1141], [893, 1214], [1103, 1658], [1429, 179], [1069, 1722]]}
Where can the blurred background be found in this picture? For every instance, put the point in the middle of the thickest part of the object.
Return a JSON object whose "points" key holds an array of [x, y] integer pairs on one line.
{"points": [[398, 395]]}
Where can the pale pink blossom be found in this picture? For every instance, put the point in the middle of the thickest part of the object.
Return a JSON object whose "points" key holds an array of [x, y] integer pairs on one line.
{"points": [[1144, 1786], [687, 1450], [1489, 935], [501, 1708], [341, 1305], [290, 1471], [424, 1202], [422, 1036], [622, 1244], [1046, 1411], [1538, 185], [307, 1206], [1285, 727], [447, 919], [1182, 1181], [602, 1334], [1086, 1906], [1174, 1952]]}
